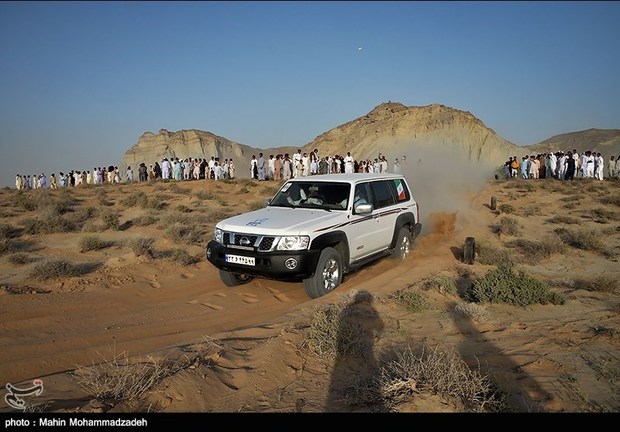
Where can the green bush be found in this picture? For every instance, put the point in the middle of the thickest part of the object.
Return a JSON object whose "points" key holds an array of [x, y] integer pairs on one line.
{"points": [[504, 285], [414, 301], [443, 284]]}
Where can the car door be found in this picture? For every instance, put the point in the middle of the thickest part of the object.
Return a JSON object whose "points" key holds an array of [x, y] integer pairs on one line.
{"points": [[365, 229], [385, 213]]}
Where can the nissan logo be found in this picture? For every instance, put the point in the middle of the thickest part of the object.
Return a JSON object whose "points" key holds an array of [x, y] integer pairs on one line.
{"points": [[244, 241]]}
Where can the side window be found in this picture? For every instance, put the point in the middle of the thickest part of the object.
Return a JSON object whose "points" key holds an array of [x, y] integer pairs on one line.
{"points": [[362, 194], [383, 193], [401, 191]]}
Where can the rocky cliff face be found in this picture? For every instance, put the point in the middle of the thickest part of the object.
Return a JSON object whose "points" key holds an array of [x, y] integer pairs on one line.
{"points": [[421, 133], [394, 129], [183, 144], [191, 144]]}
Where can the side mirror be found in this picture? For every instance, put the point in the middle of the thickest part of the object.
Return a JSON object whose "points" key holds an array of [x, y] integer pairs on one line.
{"points": [[364, 208]]}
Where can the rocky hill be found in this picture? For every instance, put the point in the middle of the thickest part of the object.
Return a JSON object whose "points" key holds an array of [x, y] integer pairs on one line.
{"points": [[391, 128]]}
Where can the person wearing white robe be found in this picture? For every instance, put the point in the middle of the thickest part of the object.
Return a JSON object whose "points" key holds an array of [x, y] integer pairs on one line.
{"points": [[348, 163], [297, 163], [611, 167], [599, 164]]}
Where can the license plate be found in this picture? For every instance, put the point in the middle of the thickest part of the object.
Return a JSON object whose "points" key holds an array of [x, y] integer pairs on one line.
{"points": [[238, 259]]}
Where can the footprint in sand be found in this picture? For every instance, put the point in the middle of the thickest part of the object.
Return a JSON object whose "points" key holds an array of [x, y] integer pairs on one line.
{"points": [[282, 297], [213, 306], [272, 290], [187, 275], [155, 284], [220, 294], [250, 298]]}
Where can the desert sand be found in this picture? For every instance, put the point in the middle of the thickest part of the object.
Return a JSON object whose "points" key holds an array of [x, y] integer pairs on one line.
{"points": [[248, 348]]}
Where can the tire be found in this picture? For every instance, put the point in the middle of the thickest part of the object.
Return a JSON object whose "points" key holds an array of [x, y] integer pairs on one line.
{"points": [[328, 274], [233, 279], [493, 203], [403, 245], [469, 250]]}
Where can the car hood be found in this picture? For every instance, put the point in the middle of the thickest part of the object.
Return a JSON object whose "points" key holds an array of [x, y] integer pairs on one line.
{"points": [[282, 221]]}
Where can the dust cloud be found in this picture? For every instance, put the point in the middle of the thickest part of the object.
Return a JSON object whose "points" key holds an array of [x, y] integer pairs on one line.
{"points": [[443, 181]]}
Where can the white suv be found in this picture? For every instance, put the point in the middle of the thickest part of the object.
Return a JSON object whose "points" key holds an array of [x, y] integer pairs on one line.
{"points": [[317, 229]]}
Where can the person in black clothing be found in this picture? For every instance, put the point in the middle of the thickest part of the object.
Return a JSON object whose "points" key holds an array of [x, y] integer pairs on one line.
{"points": [[570, 167], [157, 170]]}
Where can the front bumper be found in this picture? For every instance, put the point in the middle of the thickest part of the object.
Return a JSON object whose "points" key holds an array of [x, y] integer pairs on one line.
{"points": [[269, 265]]}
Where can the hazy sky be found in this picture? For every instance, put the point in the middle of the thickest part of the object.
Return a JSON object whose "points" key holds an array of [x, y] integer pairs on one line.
{"points": [[81, 81]]}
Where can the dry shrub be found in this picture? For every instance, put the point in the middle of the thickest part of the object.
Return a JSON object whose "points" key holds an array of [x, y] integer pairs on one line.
{"points": [[110, 219], [6, 246], [613, 199], [181, 256], [91, 243], [170, 218], [532, 210], [183, 208], [509, 226], [49, 221], [142, 246], [205, 195], [603, 216], [181, 233], [601, 283], [564, 219], [534, 251], [472, 311], [582, 239], [134, 199], [442, 373], [256, 205], [443, 284], [506, 208], [7, 231], [81, 215], [122, 379], [145, 220], [489, 254], [338, 330], [53, 268], [20, 258], [156, 202]]}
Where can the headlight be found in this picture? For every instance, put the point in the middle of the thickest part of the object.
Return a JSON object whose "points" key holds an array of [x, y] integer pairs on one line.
{"points": [[293, 243], [218, 236]]}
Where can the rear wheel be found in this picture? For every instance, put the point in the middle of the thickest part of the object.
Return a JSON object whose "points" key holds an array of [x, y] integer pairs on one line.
{"points": [[403, 245], [328, 274], [233, 279]]}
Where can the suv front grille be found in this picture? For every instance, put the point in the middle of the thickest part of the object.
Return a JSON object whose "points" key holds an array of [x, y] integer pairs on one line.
{"points": [[249, 241]]}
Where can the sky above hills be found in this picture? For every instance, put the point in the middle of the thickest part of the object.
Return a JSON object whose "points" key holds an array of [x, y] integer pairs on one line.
{"points": [[81, 81]]}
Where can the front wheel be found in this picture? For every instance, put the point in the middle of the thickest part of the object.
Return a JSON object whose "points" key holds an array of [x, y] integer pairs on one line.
{"points": [[403, 245], [233, 279], [328, 274]]}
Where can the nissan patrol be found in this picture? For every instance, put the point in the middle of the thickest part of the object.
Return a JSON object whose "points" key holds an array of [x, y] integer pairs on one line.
{"points": [[316, 229]]}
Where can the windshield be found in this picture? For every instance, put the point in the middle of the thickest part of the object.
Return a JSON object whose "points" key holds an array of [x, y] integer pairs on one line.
{"points": [[309, 194]]}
